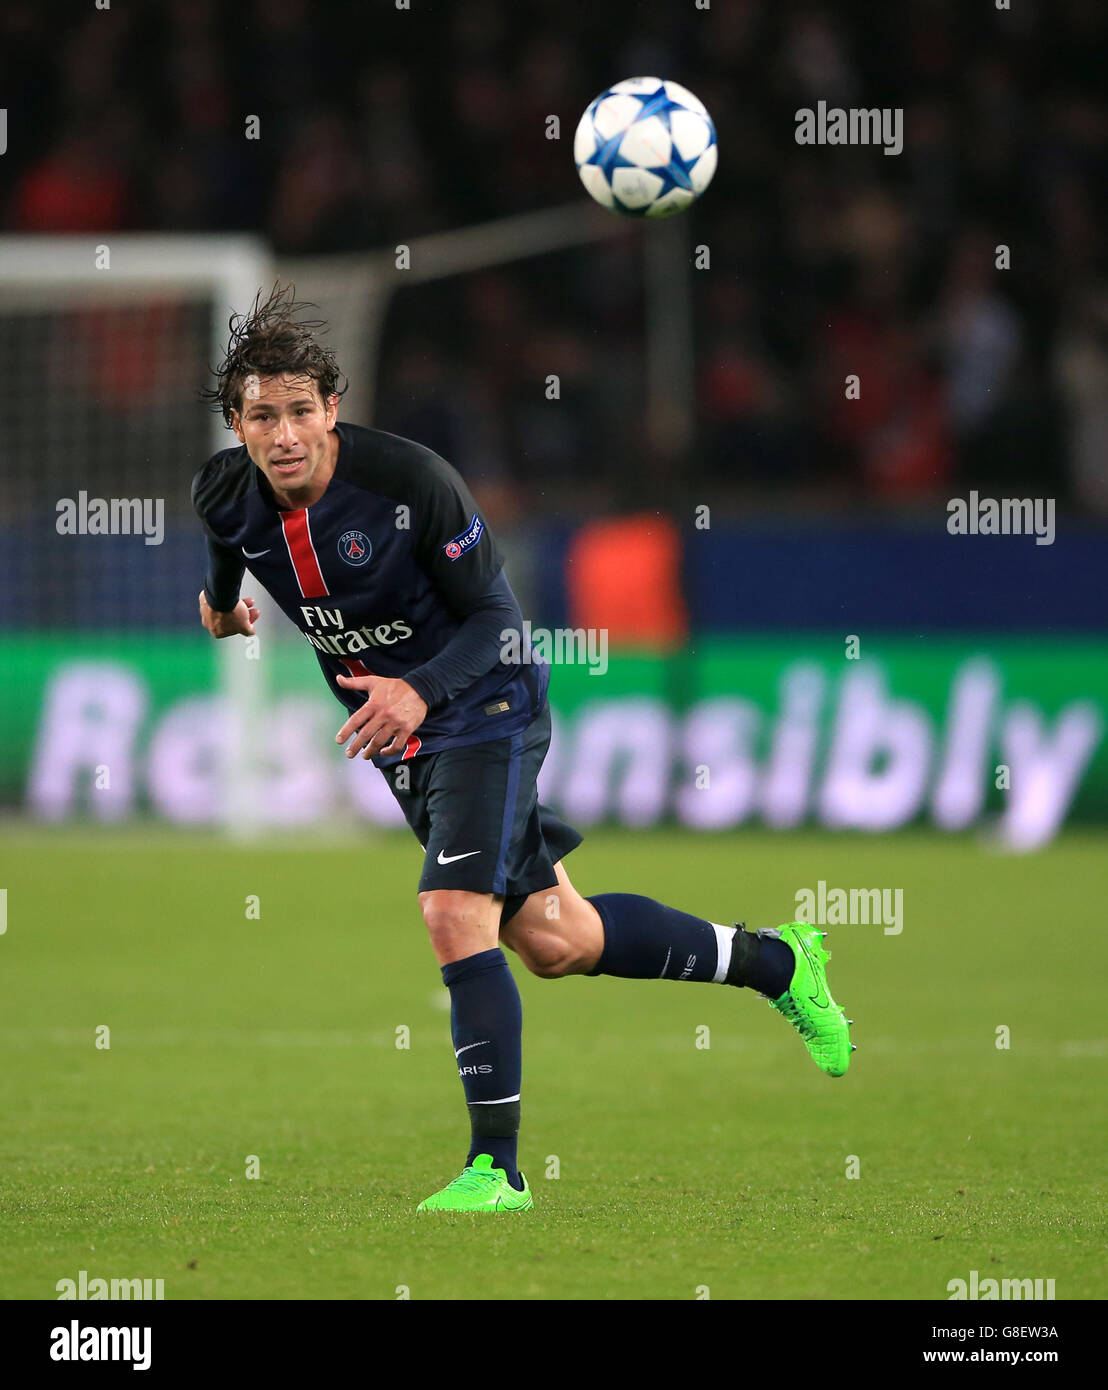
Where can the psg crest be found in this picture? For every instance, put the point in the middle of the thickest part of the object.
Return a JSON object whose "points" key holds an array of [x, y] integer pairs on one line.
{"points": [[355, 547]]}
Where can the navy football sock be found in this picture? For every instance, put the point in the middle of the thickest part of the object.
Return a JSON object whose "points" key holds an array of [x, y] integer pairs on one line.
{"points": [[486, 1023], [763, 963], [644, 940]]}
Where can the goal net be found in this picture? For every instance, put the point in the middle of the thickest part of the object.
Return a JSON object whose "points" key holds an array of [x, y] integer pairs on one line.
{"points": [[105, 341]]}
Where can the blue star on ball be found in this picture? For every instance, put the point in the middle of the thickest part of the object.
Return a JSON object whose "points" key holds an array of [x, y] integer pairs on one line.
{"points": [[674, 174]]}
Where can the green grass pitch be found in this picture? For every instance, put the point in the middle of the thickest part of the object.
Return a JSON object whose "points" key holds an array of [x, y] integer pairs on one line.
{"points": [[680, 1168]]}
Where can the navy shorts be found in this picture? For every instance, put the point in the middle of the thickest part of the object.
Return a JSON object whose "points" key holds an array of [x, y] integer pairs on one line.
{"points": [[476, 812]]}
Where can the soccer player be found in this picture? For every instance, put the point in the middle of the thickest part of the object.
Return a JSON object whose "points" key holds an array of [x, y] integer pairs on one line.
{"points": [[375, 549]]}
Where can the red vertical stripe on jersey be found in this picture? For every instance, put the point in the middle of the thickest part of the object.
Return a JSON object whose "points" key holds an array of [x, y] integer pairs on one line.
{"points": [[305, 562], [355, 668]]}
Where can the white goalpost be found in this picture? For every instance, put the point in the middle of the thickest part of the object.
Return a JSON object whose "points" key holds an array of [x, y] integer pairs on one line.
{"points": [[51, 289]]}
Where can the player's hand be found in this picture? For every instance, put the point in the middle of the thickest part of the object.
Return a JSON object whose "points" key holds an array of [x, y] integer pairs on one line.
{"points": [[391, 714], [241, 618]]}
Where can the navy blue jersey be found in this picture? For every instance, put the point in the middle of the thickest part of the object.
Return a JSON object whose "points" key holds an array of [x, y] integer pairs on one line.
{"points": [[392, 572]]}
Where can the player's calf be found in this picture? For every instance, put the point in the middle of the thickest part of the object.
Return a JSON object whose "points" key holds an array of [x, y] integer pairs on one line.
{"points": [[556, 932], [546, 954]]}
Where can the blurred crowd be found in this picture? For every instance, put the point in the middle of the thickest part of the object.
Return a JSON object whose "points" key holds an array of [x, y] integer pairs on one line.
{"points": [[380, 124]]}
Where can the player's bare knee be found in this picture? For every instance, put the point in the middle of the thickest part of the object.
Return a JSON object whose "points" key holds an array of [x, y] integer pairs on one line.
{"points": [[437, 916], [459, 923], [442, 908]]}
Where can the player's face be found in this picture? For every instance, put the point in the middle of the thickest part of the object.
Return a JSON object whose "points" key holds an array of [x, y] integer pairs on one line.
{"points": [[287, 429]]}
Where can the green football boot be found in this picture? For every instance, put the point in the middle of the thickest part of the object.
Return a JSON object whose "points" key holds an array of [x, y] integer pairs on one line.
{"points": [[807, 1002], [480, 1187]]}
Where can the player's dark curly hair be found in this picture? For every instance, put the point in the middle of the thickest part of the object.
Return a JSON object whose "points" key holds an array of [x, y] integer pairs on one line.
{"points": [[272, 340]]}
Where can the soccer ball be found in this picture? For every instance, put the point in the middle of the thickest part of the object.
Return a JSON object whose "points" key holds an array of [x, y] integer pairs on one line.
{"points": [[646, 147]]}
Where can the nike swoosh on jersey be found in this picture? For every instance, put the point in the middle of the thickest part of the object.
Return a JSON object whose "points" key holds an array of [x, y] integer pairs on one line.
{"points": [[449, 858], [460, 1050], [253, 555]]}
